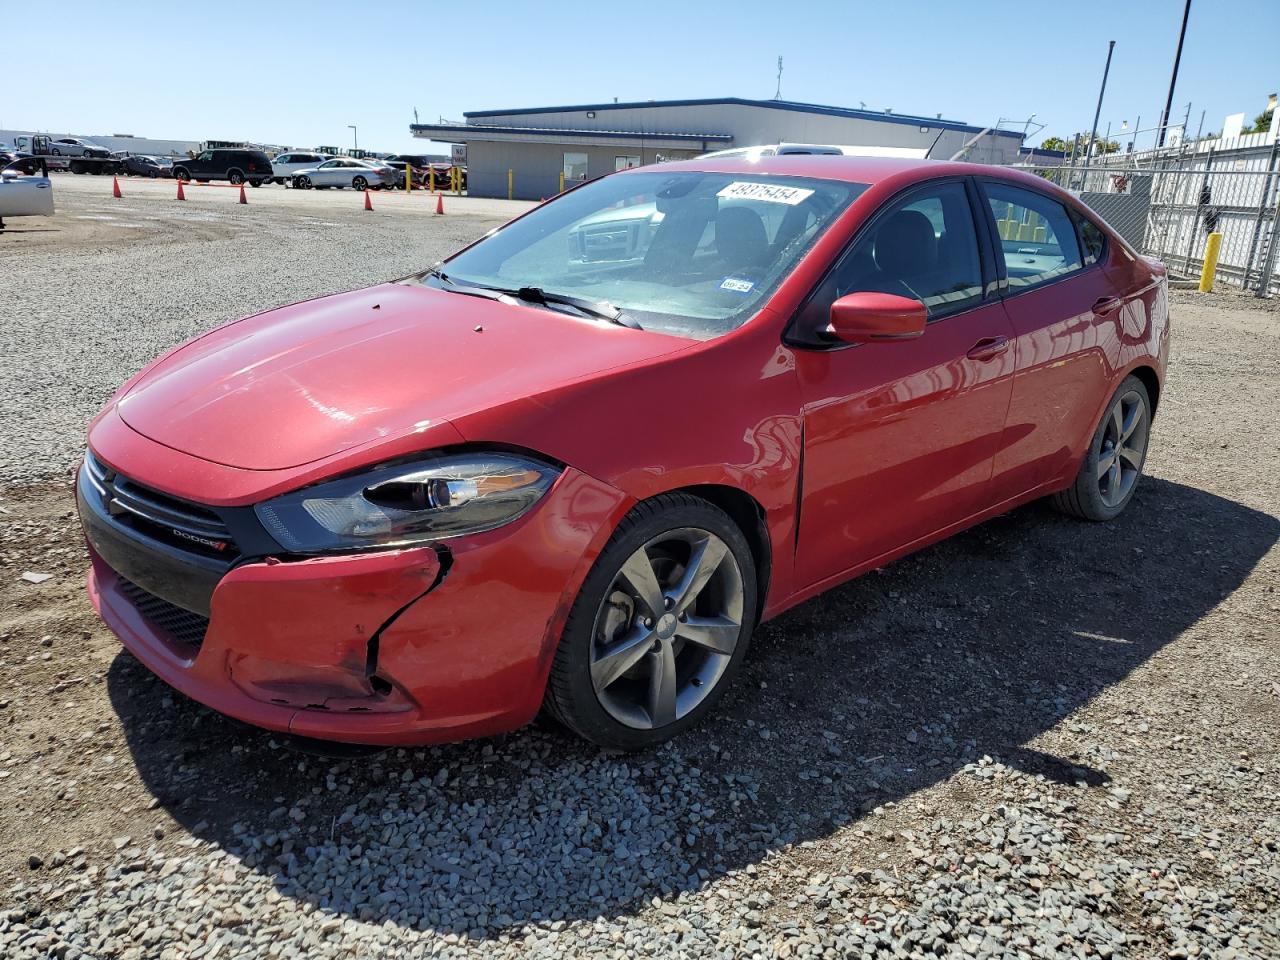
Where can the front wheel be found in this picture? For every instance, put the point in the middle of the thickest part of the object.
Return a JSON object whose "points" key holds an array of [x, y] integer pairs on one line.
{"points": [[180, 173], [359, 183], [302, 183], [660, 626], [1113, 463], [235, 177]]}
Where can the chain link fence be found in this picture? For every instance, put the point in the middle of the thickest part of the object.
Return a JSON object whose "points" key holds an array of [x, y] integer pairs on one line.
{"points": [[1167, 204]]}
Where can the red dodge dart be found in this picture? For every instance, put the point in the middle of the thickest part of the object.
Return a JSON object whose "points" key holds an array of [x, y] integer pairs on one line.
{"points": [[571, 467]]}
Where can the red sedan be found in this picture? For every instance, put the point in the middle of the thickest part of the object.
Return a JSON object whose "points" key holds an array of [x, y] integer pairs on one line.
{"points": [[574, 465]]}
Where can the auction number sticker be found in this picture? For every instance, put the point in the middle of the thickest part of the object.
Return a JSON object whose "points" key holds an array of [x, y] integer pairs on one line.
{"points": [[736, 284], [768, 192]]}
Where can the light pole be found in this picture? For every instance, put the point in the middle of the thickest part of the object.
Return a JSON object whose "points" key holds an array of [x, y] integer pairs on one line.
{"points": [[1093, 135], [1173, 79], [355, 142]]}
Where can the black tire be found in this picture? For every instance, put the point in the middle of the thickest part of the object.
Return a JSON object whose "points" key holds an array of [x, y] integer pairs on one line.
{"points": [[255, 183], [571, 697], [301, 183], [235, 177], [55, 152], [182, 173], [153, 174], [359, 183], [1098, 498]]}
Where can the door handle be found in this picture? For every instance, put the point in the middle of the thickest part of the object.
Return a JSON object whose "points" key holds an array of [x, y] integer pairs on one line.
{"points": [[1106, 306], [988, 348]]}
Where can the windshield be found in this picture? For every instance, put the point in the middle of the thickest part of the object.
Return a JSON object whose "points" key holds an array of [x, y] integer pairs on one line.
{"points": [[688, 253]]}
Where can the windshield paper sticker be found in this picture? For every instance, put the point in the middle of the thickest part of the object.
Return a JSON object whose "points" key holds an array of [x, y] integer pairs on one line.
{"points": [[736, 285], [768, 192]]}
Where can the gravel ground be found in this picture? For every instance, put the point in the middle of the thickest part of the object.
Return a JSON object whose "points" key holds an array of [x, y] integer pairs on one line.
{"points": [[1040, 738]]}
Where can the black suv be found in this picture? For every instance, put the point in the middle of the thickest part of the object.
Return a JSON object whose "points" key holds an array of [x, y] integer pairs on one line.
{"points": [[238, 166]]}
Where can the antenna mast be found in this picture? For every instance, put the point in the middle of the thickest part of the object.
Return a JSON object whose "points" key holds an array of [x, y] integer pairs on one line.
{"points": [[777, 94]]}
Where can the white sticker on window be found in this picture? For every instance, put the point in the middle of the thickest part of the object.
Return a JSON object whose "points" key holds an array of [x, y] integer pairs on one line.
{"points": [[768, 192], [736, 284]]}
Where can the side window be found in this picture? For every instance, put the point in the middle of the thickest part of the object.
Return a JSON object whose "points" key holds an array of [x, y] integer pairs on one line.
{"points": [[923, 247], [206, 156], [1092, 239], [1037, 237]]}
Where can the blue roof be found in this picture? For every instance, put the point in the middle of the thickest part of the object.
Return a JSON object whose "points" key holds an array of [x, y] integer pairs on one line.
{"points": [[460, 131], [850, 112]]}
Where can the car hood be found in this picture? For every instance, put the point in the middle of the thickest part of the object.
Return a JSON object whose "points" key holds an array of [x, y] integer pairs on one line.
{"points": [[291, 386]]}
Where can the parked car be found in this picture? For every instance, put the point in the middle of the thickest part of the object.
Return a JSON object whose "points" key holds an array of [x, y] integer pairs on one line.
{"points": [[71, 147], [346, 172], [236, 166], [520, 480], [24, 196], [287, 164], [139, 165], [403, 168]]}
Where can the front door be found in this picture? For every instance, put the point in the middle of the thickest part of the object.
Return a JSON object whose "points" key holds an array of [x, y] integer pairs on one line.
{"points": [[900, 436]]}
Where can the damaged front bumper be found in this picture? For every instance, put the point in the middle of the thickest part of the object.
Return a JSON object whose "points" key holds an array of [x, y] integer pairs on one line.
{"points": [[421, 645]]}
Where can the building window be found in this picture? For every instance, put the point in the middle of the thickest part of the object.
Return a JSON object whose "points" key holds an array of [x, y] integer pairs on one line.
{"points": [[575, 167], [629, 162]]}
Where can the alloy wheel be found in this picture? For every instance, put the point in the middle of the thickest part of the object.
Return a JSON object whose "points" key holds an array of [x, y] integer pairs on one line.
{"points": [[359, 183], [667, 628], [1123, 447]]}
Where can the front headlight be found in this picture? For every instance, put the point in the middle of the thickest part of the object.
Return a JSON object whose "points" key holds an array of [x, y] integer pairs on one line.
{"points": [[446, 496]]}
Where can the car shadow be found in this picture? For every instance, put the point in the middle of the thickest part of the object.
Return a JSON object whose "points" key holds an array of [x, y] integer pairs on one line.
{"points": [[858, 698]]}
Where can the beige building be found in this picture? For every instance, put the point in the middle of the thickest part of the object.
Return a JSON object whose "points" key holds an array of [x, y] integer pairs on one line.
{"points": [[535, 145]]}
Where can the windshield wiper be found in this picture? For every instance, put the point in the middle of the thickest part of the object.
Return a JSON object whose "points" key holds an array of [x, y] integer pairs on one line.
{"points": [[600, 309]]}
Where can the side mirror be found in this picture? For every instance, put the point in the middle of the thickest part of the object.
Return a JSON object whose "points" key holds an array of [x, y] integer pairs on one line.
{"points": [[873, 317]]}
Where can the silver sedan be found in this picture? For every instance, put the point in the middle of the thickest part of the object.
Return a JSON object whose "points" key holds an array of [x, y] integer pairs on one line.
{"points": [[346, 172]]}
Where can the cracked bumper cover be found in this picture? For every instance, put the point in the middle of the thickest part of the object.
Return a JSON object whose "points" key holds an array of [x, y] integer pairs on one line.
{"points": [[464, 635]]}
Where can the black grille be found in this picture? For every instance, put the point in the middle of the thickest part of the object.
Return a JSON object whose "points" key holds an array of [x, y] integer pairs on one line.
{"points": [[182, 625], [178, 522]]}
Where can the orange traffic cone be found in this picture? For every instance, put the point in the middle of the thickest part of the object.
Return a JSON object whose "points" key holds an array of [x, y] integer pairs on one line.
{"points": [[243, 198], [115, 187], [181, 195], [439, 203], [368, 204]]}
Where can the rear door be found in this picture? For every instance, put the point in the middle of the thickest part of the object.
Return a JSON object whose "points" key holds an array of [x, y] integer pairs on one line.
{"points": [[1057, 298]]}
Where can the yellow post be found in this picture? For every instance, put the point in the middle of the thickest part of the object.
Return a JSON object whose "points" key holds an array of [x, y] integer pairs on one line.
{"points": [[510, 184], [431, 177], [408, 178], [1210, 262], [562, 181]]}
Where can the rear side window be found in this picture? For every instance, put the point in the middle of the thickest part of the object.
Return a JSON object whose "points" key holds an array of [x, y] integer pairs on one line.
{"points": [[1037, 237], [1093, 241]]}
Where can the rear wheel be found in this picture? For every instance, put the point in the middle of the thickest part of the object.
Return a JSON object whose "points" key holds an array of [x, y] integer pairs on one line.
{"points": [[302, 183], [1117, 453], [255, 183], [660, 626]]}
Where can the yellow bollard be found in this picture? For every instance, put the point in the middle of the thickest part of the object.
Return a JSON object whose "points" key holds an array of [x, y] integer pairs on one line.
{"points": [[562, 181], [1211, 249], [408, 178], [510, 184]]}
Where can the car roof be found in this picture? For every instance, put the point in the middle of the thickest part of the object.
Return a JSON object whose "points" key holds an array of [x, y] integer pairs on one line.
{"points": [[870, 170]]}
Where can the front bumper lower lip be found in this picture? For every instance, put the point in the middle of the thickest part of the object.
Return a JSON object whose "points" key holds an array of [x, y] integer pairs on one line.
{"points": [[398, 647]]}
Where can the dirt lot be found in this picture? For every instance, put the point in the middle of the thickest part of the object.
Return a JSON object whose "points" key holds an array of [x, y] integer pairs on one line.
{"points": [[1041, 738]]}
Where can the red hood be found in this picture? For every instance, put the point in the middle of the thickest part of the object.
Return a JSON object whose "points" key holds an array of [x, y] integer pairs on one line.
{"points": [[307, 381]]}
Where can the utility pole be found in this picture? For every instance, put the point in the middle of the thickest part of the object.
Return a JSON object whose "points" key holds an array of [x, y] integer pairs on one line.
{"points": [[1097, 113], [777, 94], [1173, 79]]}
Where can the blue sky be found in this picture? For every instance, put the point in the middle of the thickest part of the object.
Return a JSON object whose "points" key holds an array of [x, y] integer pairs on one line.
{"points": [[298, 73]]}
